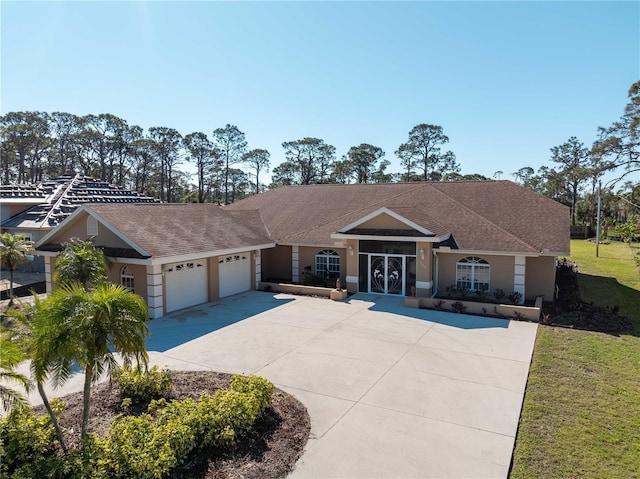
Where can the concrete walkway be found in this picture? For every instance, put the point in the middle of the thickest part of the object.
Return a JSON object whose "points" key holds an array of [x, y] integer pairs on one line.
{"points": [[391, 391]]}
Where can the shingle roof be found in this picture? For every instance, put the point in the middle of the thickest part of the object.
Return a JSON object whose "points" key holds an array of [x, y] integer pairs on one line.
{"points": [[179, 229], [60, 197], [482, 215]]}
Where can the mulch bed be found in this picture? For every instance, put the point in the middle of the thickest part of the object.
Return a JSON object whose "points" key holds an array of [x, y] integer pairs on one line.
{"points": [[568, 310], [271, 452]]}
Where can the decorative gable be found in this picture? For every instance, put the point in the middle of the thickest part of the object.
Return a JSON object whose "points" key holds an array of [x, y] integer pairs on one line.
{"points": [[385, 222]]}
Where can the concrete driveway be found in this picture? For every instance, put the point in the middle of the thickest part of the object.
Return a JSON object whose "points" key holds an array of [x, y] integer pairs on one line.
{"points": [[391, 391]]}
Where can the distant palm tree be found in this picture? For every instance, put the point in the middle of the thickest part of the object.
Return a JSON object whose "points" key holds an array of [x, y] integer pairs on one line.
{"points": [[80, 261], [10, 356], [14, 250], [93, 326]]}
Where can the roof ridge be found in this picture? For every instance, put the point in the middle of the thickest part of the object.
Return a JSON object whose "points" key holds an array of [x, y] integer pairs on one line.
{"points": [[517, 238], [58, 200], [386, 198]]}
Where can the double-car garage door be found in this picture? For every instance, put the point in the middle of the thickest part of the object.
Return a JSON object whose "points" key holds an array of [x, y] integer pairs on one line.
{"points": [[186, 283]]}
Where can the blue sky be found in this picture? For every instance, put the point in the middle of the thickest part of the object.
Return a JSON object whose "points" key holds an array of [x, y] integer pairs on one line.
{"points": [[506, 80]]}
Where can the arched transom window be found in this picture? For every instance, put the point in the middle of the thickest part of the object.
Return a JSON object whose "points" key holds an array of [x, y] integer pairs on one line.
{"points": [[473, 273], [126, 278], [328, 263]]}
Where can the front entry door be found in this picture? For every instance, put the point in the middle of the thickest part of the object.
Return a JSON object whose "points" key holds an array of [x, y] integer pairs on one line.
{"points": [[386, 274]]}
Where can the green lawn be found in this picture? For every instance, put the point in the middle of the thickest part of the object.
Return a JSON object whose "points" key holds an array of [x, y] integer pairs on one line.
{"points": [[581, 414]]}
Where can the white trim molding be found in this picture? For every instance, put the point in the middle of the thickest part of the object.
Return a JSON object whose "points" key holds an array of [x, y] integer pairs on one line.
{"points": [[422, 239], [295, 266], [258, 260], [519, 271], [48, 277], [155, 300]]}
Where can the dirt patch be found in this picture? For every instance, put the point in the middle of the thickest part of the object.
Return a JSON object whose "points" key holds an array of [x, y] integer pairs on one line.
{"points": [[271, 452]]}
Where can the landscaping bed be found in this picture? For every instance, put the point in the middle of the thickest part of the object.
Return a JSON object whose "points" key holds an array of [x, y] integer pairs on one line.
{"points": [[270, 451], [570, 310]]}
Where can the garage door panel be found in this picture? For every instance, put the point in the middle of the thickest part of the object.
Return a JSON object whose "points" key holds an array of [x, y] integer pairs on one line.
{"points": [[234, 274], [186, 284]]}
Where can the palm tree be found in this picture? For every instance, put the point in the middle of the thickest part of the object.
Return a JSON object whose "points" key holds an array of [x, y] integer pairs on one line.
{"points": [[14, 250], [80, 261], [10, 356], [95, 326], [46, 337]]}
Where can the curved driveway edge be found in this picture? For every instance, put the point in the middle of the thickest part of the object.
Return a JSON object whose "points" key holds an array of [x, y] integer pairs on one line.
{"points": [[391, 391]]}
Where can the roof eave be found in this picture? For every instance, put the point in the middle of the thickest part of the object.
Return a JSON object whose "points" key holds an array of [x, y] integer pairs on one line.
{"points": [[208, 254]]}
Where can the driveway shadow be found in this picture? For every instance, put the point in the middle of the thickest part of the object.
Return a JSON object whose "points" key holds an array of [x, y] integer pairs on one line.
{"points": [[395, 305], [185, 325]]}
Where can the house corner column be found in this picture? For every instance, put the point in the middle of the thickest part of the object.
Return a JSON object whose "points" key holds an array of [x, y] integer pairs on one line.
{"points": [[295, 269], [258, 259], [351, 277], [424, 269], [155, 301], [519, 271], [47, 274]]}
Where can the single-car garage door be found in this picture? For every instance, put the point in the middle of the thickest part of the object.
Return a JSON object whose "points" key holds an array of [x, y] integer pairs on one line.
{"points": [[235, 274], [186, 284]]}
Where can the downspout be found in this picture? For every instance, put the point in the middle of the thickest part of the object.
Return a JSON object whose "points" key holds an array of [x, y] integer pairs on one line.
{"points": [[435, 272]]}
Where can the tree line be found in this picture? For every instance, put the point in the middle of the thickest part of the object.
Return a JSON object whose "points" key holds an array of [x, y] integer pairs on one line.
{"points": [[38, 145], [576, 171]]}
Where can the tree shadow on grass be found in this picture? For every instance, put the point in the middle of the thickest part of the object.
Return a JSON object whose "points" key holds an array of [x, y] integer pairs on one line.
{"points": [[602, 305]]}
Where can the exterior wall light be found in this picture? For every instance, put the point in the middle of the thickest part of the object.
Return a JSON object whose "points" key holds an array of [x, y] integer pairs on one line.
{"points": [[350, 250], [421, 253]]}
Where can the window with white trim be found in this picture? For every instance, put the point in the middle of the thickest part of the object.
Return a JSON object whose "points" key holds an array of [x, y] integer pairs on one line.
{"points": [[328, 263], [126, 278], [473, 273]]}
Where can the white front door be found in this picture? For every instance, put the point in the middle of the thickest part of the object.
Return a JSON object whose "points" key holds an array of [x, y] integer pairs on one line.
{"points": [[186, 284], [386, 274], [234, 274]]}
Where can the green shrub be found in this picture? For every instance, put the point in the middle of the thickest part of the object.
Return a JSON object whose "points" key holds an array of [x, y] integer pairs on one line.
{"points": [[499, 295], [151, 445], [458, 307], [515, 297], [86, 461], [27, 444], [141, 386], [142, 448]]}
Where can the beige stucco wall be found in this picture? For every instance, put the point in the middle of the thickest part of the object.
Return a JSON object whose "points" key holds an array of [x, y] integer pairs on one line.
{"points": [[540, 275], [276, 263], [384, 221], [213, 273], [307, 257], [139, 277], [79, 230], [424, 269], [502, 270]]}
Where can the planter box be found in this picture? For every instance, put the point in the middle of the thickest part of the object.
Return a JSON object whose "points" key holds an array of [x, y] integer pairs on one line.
{"points": [[298, 289], [474, 307], [340, 295]]}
